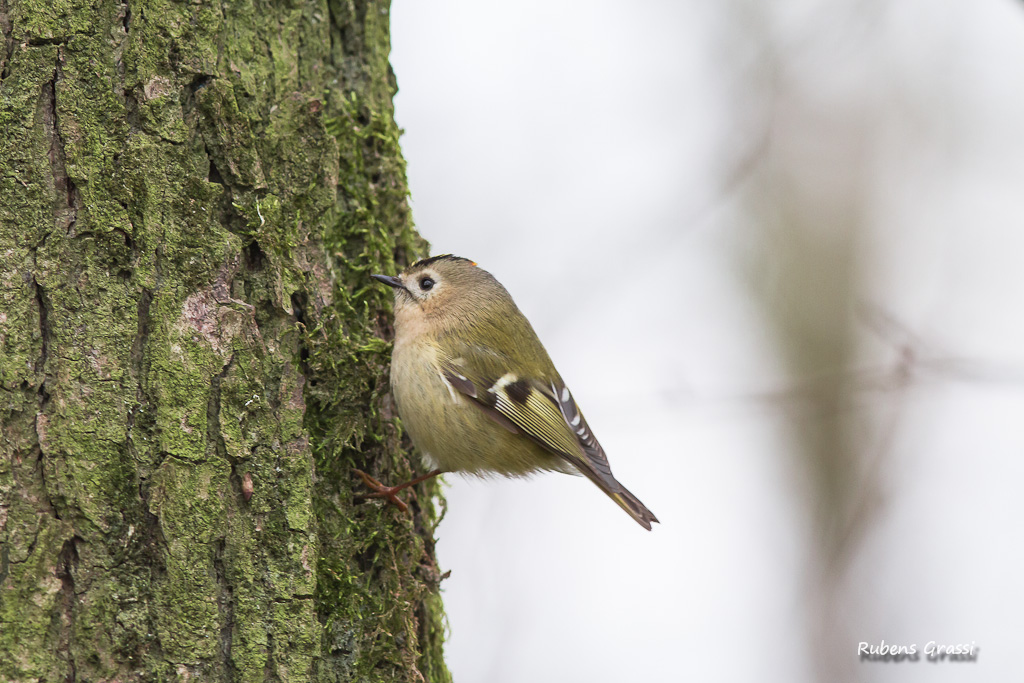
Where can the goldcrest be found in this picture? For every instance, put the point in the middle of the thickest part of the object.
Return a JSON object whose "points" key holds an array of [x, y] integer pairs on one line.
{"points": [[475, 388]]}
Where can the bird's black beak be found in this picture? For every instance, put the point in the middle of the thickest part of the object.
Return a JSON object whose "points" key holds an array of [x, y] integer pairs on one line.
{"points": [[390, 280]]}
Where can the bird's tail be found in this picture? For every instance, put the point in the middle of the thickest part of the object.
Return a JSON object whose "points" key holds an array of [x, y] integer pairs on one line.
{"points": [[628, 502]]}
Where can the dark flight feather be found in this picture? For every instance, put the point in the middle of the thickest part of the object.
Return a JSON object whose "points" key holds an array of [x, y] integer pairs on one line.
{"points": [[548, 416]]}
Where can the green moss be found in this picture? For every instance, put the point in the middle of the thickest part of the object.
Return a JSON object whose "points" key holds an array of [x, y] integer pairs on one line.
{"points": [[373, 558], [193, 197]]}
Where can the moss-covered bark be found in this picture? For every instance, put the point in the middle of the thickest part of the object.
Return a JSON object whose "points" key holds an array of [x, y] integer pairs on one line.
{"points": [[192, 195]]}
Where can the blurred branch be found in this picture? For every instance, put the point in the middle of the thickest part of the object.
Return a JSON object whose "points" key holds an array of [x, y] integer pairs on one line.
{"points": [[911, 364]]}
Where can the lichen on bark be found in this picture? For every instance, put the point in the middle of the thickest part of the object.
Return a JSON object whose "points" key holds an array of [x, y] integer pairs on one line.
{"points": [[192, 357]]}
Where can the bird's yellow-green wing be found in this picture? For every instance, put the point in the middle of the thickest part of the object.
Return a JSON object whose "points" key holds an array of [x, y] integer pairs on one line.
{"points": [[541, 410]]}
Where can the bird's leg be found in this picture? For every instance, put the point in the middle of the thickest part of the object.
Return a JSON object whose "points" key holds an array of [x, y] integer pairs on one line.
{"points": [[382, 491]]}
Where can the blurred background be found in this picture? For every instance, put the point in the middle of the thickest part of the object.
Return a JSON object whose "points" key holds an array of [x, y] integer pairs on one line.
{"points": [[777, 252]]}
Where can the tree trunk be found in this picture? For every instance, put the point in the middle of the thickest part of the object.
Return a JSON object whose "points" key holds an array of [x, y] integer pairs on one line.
{"points": [[192, 198]]}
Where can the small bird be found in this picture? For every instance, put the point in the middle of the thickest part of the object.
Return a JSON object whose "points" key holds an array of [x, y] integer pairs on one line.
{"points": [[475, 388]]}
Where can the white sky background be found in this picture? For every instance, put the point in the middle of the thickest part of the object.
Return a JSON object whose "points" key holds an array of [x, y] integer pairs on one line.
{"points": [[591, 156]]}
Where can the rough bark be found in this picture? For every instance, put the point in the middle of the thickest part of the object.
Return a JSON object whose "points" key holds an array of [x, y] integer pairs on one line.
{"points": [[192, 196]]}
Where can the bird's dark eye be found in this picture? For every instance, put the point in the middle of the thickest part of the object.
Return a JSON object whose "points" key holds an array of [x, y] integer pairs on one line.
{"points": [[426, 283]]}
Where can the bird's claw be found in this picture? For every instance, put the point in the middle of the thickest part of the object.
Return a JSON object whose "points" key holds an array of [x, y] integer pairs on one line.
{"points": [[381, 491]]}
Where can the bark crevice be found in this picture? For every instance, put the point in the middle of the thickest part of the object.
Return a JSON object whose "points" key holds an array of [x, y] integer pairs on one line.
{"points": [[68, 560], [126, 16], [226, 606], [214, 435], [136, 354], [6, 30], [43, 308], [67, 200]]}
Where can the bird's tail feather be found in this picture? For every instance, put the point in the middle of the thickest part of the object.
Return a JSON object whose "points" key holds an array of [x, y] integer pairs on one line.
{"points": [[628, 502]]}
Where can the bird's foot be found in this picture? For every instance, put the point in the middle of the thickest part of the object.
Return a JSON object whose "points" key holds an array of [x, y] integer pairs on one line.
{"points": [[389, 492]]}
